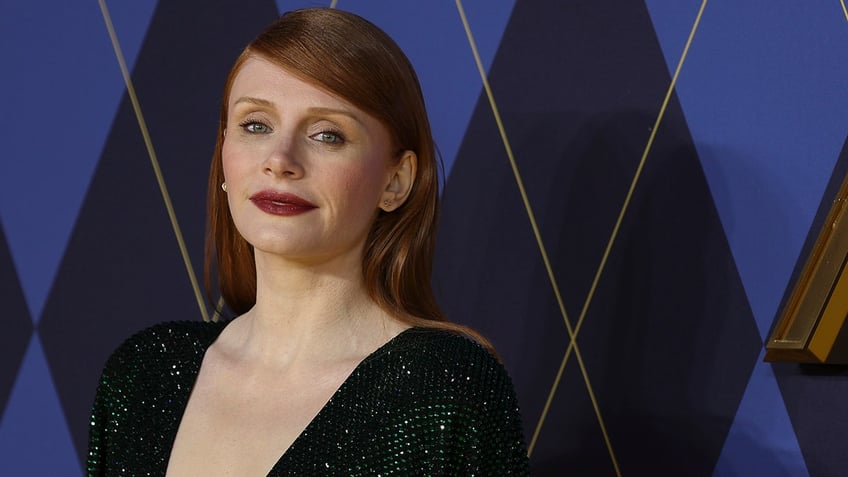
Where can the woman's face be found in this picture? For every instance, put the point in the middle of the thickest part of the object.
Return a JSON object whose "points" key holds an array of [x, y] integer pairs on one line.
{"points": [[305, 170]]}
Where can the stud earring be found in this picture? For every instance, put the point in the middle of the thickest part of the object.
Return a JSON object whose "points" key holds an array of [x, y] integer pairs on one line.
{"points": [[387, 203], [224, 186]]}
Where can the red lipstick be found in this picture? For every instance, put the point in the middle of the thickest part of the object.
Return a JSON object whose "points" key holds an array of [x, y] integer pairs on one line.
{"points": [[279, 203]]}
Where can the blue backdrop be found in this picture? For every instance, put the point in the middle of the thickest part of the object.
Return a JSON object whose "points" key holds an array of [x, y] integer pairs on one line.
{"points": [[629, 190]]}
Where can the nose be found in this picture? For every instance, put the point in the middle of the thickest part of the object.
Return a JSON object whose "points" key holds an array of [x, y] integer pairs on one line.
{"points": [[283, 160]]}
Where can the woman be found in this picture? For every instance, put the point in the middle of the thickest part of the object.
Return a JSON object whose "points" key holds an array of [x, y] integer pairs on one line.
{"points": [[323, 200]]}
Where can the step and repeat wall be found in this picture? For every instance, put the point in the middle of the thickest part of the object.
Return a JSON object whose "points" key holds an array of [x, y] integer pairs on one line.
{"points": [[629, 188]]}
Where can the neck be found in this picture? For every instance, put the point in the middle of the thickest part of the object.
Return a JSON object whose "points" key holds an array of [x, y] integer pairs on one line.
{"points": [[311, 312]]}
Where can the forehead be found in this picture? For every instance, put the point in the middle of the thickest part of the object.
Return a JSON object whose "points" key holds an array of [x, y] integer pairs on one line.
{"points": [[262, 79]]}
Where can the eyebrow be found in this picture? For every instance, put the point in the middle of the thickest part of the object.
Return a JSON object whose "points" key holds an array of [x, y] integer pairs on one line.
{"points": [[314, 110], [257, 101], [331, 111]]}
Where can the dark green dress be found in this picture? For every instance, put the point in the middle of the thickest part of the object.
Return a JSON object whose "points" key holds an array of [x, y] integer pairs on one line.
{"points": [[428, 402]]}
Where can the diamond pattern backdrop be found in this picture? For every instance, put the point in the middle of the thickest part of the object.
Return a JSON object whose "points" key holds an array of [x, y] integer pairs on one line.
{"points": [[630, 187]]}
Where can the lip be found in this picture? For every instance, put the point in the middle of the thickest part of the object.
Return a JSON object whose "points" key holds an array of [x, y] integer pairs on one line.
{"points": [[281, 203]]}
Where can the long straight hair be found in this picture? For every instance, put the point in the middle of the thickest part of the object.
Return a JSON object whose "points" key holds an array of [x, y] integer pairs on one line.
{"points": [[351, 58]]}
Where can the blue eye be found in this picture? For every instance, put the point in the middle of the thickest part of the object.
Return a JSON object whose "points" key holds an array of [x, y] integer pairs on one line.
{"points": [[330, 137]]}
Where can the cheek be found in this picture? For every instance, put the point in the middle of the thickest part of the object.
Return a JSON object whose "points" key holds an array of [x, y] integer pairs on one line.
{"points": [[365, 183], [229, 160]]}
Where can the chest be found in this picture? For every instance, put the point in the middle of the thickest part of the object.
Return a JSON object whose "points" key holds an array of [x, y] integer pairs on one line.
{"points": [[242, 424]]}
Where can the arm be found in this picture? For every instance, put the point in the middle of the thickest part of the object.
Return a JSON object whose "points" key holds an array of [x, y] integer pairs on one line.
{"points": [[478, 416], [496, 443]]}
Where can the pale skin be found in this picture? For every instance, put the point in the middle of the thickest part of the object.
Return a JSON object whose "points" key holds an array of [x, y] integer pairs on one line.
{"points": [[273, 369]]}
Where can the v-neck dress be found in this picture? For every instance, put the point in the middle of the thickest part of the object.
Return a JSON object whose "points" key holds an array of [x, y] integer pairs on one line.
{"points": [[428, 402]]}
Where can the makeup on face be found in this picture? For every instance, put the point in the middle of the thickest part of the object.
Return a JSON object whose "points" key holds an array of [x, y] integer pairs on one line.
{"points": [[281, 203]]}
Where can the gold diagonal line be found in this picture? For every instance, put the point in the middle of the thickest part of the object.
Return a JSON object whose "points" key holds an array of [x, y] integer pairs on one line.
{"points": [[153, 161], [218, 307], [514, 166], [537, 235], [573, 346], [638, 173], [844, 9], [617, 226], [334, 3]]}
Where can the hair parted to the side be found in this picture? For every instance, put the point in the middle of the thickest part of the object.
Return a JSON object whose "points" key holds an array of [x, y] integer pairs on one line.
{"points": [[353, 59]]}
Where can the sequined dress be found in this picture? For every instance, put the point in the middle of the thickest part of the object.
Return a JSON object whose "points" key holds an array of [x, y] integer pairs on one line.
{"points": [[428, 402]]}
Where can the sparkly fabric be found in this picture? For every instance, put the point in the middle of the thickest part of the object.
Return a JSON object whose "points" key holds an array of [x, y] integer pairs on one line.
{"points": [[428, 402]]}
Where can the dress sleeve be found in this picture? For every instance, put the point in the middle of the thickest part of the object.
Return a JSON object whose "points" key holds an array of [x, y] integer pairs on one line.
{"points": [[496, 444], [99, 424], [477, 412], [96, 429]]}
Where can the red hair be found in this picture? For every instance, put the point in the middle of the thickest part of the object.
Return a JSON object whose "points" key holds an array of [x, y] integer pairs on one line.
{"points": [[351, 58]]}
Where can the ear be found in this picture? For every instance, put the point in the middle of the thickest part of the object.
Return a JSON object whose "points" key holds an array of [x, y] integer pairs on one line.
{"points": [[400, 181]]}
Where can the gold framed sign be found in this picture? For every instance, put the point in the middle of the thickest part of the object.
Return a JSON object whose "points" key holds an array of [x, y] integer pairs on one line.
{"points": [[811, 327]]}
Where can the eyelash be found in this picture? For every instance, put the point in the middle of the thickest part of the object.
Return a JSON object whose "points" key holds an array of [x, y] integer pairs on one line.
{"points": [[247, 123], [340, 139]]}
